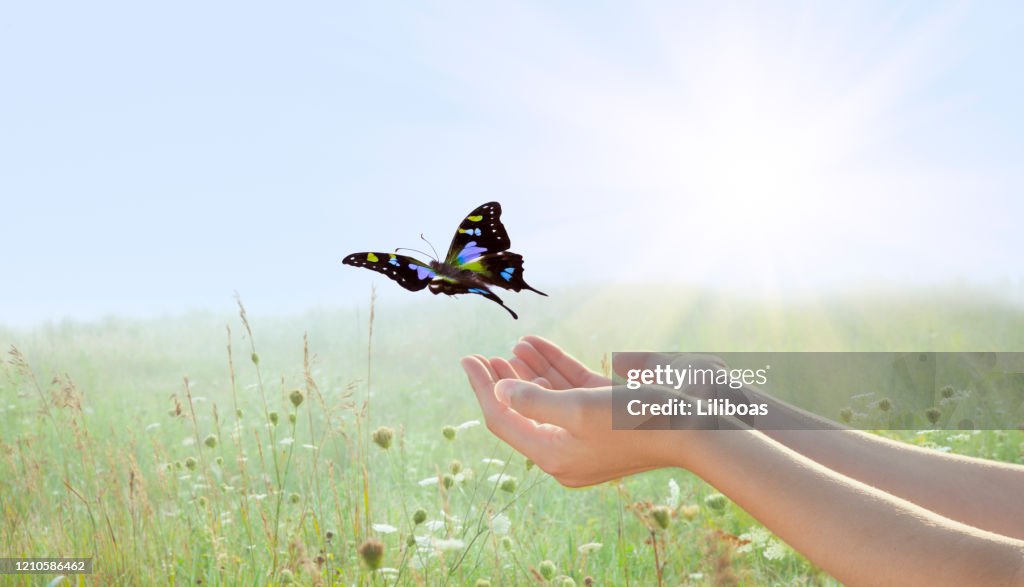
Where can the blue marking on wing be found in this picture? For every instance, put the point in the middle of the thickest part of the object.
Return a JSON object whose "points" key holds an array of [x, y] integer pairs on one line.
{"points": [[422, 272], [393, 261], [469, 252], [477, 290], [507, 272]]}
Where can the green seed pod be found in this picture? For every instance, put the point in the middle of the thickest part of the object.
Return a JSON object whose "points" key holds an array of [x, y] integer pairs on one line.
{"points": [[933, 415], [273, 418], [846, 415], [447, 480], [716, 501], [294, 498], [455, 467], [449, 432], [287, 576], [255, 359], [372, 553], [211, 440], [547, 570], [382, 437], [508, 485], [190, 463], [419, 516], [291, 417], [661, 516], [885, 404], [296, 397], [947, 392]]}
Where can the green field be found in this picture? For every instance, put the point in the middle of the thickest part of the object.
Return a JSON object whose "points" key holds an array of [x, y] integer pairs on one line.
{"points": [[144, 444]]}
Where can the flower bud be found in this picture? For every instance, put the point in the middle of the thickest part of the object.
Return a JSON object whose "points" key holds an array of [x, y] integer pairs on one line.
{"points": [[372, 553], [661, 516], [296, 397], [382, 437], [419, 516], [716, 501]]}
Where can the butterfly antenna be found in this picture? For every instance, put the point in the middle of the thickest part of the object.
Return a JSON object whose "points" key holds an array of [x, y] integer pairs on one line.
{"points": [[436, 256], [413, 250]]}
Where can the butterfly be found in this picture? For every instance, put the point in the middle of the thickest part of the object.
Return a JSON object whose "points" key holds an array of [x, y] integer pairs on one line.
{"points": [[477, 260]]}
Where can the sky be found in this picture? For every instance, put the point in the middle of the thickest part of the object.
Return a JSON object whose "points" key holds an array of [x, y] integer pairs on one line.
{"points": [[156, 158]]}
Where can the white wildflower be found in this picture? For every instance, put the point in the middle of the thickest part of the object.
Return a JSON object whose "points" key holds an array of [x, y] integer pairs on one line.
{"points": [[286, 441], [448, 544], [497, 462], [428, 481], [434, 525], [384, 528], [152, 426], [590, 547], [774, 550], [673, 494], [500, 524], [469, 424]]}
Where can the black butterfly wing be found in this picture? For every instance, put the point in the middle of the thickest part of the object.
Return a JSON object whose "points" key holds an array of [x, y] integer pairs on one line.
{"points": [[504, 269], [410, 273], [480, 232], [452, 287]]}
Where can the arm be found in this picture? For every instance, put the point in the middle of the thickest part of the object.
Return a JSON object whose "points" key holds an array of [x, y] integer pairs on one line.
{"points": [[977, 492]]}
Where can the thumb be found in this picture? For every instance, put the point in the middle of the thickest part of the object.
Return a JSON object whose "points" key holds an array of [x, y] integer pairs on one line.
{"points": [[561, 408]]}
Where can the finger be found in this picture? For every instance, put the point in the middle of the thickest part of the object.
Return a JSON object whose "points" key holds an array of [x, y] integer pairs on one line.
{"points": [[502, 369], [487, 364], [623, 362], [524, 370], [561, 408], [532, 357], [574, 372], [504, 422], [542, 381]]}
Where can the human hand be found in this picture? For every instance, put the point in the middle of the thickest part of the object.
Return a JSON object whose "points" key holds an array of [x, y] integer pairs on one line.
{"points": [[558, 413]]}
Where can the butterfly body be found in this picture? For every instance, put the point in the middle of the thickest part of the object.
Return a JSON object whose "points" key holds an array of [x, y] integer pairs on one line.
{"points": [[477, 260]]}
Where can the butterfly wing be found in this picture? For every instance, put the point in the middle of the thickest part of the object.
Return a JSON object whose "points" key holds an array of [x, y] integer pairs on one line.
{"points": [[502, 269], [452, 287], [410, 273], [480, 232]]}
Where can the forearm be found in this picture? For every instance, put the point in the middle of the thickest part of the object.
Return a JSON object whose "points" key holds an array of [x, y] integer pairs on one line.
{"points": [[858, 533], [977, 492]]}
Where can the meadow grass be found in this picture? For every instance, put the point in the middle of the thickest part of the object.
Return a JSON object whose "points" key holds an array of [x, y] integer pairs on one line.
{"points": [[332, 448]]}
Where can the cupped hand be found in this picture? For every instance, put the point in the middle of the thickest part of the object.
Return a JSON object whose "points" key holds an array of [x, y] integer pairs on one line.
{"points": [[558, 413]]}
